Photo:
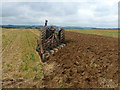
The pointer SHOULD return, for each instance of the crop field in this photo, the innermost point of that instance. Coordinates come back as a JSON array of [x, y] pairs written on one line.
[[103, 32], [89, 60]]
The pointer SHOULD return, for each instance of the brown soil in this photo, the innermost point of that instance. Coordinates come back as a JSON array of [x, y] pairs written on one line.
[[87, 61]]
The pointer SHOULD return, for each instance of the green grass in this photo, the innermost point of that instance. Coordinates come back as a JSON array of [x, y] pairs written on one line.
[[32, 57], [103, 32], [24, 67], [62, 85], [9, 65], [35, 68]]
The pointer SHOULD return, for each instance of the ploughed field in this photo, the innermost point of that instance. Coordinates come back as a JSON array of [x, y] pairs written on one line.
[[87, 61]]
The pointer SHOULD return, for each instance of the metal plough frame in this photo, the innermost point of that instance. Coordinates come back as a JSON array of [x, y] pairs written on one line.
[[45, 45]]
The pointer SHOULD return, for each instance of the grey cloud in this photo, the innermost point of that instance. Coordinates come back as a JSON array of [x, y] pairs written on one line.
[[55, 9], [10, 9], [60, 13]]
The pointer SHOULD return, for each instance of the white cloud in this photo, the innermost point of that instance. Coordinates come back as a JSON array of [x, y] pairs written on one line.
[[97, 13]]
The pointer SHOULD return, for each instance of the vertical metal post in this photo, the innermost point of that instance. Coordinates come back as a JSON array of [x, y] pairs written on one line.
[[46, 22]]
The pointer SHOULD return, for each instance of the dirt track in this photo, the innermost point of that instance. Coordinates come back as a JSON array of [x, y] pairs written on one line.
[[88, 61]]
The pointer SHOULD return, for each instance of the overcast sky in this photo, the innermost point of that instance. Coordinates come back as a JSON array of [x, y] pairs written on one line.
[[102, 13]]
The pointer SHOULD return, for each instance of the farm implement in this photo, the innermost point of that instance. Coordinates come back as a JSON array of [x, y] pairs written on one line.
[[51, 40]]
